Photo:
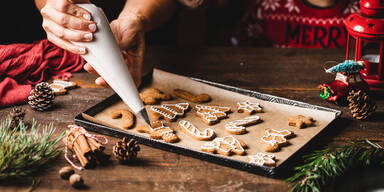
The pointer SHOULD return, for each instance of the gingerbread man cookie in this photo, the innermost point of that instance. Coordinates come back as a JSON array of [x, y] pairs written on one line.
[[211, 114], [127, 118], [225, 146], [274, 139], [238, 126], [152, 96], [159, 131], [300, 121], [169, 112], [202, 98], [60, 87], [249, 107], [188, 128], [262, 159]]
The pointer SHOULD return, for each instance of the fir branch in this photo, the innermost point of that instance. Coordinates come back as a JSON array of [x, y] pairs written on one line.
[[24, 153], [331, 162]]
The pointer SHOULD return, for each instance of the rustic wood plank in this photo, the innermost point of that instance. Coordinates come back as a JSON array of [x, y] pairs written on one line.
[[290, 73]]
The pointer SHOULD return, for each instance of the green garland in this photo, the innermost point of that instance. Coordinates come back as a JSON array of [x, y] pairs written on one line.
[[331, 162], [24, 153]]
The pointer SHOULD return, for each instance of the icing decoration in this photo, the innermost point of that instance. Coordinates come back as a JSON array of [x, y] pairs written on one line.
[[238, 126], [190, 129], [159, 131], [248, 107], [170, 111], [211, 113], [262, 159], [60, 87], [275, 138], [225, 146]]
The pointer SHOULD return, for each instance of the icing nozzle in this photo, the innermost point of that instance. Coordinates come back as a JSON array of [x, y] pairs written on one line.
[[142, 114]]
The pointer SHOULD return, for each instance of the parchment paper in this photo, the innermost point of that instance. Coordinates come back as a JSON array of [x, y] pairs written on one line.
[[275, 116]]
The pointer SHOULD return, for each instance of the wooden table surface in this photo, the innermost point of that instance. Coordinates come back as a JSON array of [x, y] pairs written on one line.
[[290, 73]]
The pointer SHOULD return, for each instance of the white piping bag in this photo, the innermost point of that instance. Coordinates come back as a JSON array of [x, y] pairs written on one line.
[[104, 55]]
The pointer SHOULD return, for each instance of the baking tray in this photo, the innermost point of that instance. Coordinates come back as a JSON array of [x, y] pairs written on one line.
[[86, 120]]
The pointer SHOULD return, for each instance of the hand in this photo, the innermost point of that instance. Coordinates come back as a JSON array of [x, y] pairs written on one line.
[[129, 34], [64, 21]]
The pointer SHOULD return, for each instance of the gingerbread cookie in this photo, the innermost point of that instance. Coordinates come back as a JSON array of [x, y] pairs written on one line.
[[159, 131], [275, 139], [225, 146], [238, 126], [249, 107], [60, 87], [300, 121], [202, 98], [211, 114], [169, 112], [262, 159], [188, 128], [152, 96], [127, 118]]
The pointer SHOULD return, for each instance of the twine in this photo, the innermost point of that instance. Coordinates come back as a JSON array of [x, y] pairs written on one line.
[[80, 131]]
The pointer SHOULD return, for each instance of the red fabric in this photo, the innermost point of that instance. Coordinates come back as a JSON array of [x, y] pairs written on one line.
[[294, 23], [24, 65]]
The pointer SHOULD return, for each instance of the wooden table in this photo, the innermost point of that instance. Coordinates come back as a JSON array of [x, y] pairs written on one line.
[[290, 73]]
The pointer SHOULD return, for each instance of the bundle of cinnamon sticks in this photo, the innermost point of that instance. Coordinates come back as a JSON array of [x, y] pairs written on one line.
[[88, 151]]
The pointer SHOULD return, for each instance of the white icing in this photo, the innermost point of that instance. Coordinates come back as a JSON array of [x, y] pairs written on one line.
[[248, 106], [275, 134], [216, 144], [261, 159], [206, 134], [168, 131], [168, 112], [239, 125], [211, 113]]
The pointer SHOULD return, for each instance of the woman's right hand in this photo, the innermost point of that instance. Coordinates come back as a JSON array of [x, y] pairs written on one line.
[[64, 22]]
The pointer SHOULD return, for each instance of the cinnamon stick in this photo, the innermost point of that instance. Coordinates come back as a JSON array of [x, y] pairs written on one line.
[[95, 146], [83, 144], [74, 148]]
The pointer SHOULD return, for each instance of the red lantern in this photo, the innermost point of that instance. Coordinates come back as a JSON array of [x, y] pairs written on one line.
[[365, 31]]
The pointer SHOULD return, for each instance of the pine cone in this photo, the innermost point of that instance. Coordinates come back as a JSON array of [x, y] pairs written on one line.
[[360, 104], [126, 150], [16, 115], [41, 97]]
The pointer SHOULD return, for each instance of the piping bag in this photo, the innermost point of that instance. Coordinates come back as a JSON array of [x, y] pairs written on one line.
[[105, 56]]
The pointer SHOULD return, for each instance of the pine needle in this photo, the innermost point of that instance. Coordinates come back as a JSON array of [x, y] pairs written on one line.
[[333, 161], [24, 153]]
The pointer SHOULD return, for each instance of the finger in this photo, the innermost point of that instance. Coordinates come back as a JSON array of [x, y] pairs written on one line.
[[67, 20], [66, 45], [101, 81], [67, 34], [90, 69]]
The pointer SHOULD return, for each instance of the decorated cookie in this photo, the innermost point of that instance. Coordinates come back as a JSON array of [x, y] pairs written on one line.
[[159, 131], [169, 112], [127, 118], [225, 146], [211, 114], [300, 121], [202, 98], [262, 159], [60, 87], [248, 107], [274, 139], [152, 96], [238, 126], [188, 128]]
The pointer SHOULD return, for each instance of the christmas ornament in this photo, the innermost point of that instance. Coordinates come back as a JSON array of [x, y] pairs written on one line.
[[347, 78], [126, 150], [366, 31], [360, 104], [41, 97], [16, 115]]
